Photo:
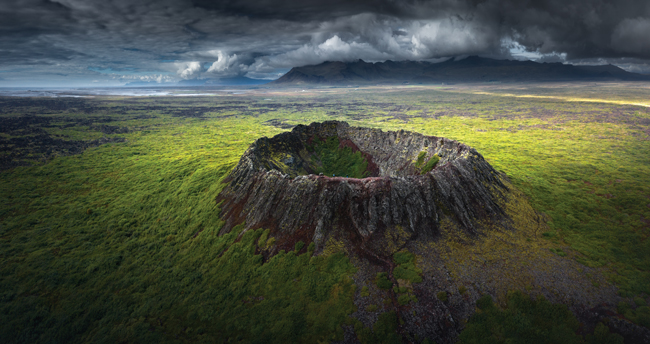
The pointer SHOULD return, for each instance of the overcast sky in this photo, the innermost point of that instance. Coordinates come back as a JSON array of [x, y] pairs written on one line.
[[113, 42]]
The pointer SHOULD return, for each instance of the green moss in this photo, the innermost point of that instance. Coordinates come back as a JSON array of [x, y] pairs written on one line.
[[261, 242], [639, 301], [623, 307], [331, 160], [383, 331], [404, 299], [602, 335], [485, 302], [523, 321], [406, 273], [299, 245], [558, 251], [640, 315], [399, 290], [406, 268], [403, 257], [382, 281], [365, 291], [462, 290], [548, 235], [526, 320], [442, 296], [420, 159], [430, 164]]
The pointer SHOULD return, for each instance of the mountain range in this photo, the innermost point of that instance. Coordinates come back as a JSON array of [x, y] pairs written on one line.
[[470, 69]]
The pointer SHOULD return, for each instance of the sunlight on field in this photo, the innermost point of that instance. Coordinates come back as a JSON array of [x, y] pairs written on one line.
[[569, 99]]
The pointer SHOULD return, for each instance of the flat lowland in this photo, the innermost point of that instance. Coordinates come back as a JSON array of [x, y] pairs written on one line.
[[109, 228]]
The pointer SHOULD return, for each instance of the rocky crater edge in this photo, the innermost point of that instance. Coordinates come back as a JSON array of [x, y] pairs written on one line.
[[272, 187]]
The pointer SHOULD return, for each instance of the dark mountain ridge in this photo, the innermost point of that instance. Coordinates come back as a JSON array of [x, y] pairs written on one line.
[[470, 69]]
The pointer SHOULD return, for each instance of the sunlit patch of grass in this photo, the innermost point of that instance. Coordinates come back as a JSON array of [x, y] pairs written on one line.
[[569, 99], [75, 133]]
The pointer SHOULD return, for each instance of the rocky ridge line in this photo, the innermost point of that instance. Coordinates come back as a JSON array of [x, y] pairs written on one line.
[[268, 188]]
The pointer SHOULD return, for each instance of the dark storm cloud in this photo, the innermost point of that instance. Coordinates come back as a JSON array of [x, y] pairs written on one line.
[[32, 17], [579, 28], [167, 39], [308, 10]]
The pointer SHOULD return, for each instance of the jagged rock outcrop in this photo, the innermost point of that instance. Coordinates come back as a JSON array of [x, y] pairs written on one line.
[[273, 187]]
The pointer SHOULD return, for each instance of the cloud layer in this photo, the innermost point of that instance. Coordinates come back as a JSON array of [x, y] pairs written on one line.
[[76, 41]]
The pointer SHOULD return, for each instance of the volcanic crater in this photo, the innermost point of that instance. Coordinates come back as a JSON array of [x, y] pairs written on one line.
[[330, 181]]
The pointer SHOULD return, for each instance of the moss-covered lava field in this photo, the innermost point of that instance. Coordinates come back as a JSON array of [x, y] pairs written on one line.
[[110, 229]]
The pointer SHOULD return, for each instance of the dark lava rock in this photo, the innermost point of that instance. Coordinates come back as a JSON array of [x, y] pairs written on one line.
[[273, 187]]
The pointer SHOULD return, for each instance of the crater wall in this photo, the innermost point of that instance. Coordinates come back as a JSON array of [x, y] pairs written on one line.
[[273, 186]]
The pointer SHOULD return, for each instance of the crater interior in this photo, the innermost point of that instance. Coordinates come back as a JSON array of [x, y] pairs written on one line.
[[337, 150]]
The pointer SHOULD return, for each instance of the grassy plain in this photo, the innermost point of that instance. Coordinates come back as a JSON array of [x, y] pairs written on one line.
[[119, 243]]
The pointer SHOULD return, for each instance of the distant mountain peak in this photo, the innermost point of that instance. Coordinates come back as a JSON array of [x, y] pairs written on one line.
[[470, 69]]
